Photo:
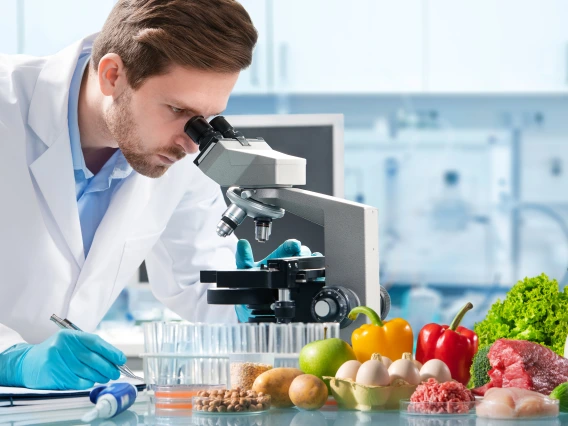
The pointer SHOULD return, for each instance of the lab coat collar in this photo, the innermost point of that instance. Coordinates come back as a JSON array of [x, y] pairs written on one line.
[[53, 169], [48, 105]]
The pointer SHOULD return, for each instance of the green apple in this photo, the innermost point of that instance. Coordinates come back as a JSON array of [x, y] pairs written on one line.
[[324, 357]]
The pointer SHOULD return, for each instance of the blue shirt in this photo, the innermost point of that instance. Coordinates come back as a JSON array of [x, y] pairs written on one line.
[[93, 191]]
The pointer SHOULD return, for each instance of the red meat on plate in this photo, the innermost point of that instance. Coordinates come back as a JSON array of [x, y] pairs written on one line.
[[524, 365]]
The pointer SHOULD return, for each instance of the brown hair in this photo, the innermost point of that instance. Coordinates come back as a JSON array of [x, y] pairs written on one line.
[[150, 35]]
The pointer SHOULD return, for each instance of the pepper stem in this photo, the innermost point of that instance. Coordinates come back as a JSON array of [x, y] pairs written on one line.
[[456, 322], [377, 357], [375, 319], [325, 333], [407, 355]]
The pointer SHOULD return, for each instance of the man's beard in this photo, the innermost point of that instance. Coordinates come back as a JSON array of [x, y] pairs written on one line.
[[121, 126]]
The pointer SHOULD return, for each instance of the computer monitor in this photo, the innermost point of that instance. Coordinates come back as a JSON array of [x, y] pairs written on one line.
[[319, 139]]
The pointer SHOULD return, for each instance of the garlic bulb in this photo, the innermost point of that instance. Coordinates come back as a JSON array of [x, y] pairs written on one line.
[[373, 373], [435, 369], [387, 361], [404, 369]]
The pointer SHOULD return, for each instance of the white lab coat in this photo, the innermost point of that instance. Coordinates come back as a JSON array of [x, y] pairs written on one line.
[[169, 221]]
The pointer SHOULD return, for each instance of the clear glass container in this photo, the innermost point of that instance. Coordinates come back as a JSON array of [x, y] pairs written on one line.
[[245, 368], [185, 369]]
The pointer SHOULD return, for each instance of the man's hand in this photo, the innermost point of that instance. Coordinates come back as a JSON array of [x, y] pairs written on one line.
[[67, 360], [290, 248], [245, 260]]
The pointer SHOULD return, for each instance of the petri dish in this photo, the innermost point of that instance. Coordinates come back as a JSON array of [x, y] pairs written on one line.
[[536, 408], [179, 397], [230, 406], [437, 408]]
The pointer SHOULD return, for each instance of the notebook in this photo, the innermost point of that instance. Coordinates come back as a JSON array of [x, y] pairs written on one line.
[[12, 397]]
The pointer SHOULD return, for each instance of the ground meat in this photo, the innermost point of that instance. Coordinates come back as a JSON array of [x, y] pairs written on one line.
[[438, 421], [432, 397]]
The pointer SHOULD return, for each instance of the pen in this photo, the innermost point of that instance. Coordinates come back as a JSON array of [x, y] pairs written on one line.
[[65, 323]]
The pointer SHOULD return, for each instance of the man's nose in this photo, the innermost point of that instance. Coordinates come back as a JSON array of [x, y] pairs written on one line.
[[187, 144]]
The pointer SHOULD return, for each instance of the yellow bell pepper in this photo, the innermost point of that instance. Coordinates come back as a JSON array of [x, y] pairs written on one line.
[[389, 338]]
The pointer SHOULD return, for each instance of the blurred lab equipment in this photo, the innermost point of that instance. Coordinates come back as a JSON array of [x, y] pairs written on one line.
[[110, 401], [540, 206], [451, 212], [429, 302], [441, 193], [262, 180]]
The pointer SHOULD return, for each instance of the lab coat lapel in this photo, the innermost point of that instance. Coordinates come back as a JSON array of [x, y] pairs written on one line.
[[53, 169], [53, 172]]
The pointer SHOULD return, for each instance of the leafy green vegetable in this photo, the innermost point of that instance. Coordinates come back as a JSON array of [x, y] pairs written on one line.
[[560, 393], [480, 367], [533, 310]]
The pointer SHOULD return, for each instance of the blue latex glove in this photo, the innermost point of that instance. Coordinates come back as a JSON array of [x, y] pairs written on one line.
[[67, 360], [245, 260], [289, 248]]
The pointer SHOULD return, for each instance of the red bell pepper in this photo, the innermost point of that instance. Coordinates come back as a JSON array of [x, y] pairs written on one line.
[[455, 345]]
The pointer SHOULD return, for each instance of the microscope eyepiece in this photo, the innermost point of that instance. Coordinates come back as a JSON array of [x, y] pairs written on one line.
[[220, 124], [200, 131]]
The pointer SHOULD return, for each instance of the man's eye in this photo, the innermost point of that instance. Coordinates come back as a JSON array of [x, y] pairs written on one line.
[[176, 110]]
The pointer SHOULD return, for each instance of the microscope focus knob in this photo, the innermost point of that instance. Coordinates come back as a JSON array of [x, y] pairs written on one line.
[[325, 308], [333, 304]]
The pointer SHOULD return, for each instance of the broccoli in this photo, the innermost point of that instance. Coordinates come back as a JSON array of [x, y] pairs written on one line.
[[480, 367]]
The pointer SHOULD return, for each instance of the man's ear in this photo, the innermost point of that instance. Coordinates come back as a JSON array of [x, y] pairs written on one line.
[[112, 75]]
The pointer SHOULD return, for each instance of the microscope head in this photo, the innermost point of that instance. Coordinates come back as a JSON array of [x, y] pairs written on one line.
[[230, 159]]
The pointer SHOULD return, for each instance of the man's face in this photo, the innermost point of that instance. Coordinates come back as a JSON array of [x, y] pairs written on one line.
[[148, 123]]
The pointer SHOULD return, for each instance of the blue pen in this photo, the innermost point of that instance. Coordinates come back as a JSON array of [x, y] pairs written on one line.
[[110, 400]]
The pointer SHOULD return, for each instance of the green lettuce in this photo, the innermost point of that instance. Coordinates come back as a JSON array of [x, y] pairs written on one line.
[[534, 309]]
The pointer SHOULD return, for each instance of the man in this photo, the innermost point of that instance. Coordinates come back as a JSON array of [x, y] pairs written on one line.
[[97, 175]]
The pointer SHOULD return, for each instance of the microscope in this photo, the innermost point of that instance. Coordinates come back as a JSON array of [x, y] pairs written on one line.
[[298, 289]]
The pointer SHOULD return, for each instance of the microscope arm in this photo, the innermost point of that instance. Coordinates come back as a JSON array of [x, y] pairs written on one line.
[[351, 240]]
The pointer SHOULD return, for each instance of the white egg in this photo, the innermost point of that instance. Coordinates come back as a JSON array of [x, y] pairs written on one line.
[[348, 370], [373, 373], [435, 369]]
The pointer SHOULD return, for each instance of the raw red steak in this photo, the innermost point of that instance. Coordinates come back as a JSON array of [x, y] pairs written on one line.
[[524, 365]]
